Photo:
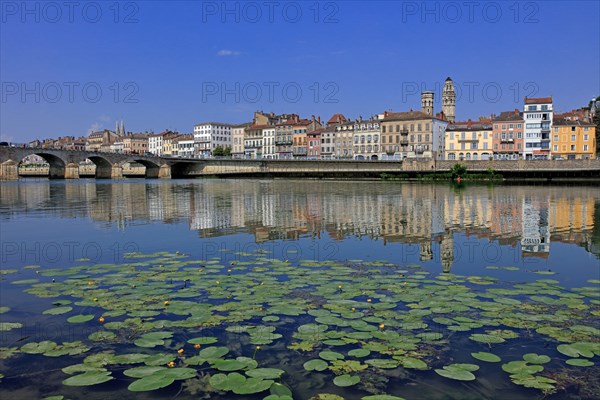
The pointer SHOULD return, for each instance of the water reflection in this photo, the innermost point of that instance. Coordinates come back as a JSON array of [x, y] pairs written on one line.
[[531, 218]]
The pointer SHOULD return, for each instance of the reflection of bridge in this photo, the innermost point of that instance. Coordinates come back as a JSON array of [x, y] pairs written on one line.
[[65, 164]]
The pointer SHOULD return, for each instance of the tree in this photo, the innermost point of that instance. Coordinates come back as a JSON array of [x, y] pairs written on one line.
[[227, 152], [218, 151], [458, 171]]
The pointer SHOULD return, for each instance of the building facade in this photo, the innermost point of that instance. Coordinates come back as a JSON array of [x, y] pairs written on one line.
[[366, 137], [209, 135], [183, 146], [253, 141], [537, 115], [508, 135], [237, 139], [268, 142], [469, 141], [412, 134], [573, 140], [135, 143]]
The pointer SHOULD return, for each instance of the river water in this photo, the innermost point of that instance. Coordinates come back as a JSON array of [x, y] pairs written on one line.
[[388, 288]]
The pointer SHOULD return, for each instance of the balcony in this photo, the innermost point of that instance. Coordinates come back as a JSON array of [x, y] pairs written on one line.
[[284, 142], [404, 142], [507, 140], [253, 146], [404, 132], [468, 140]]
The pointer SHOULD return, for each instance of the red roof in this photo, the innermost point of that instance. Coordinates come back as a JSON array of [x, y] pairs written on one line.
[[538, 100], [336, 118]]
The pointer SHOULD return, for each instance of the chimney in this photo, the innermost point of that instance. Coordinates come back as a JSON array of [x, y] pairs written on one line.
[[319, 119], [469, 124]]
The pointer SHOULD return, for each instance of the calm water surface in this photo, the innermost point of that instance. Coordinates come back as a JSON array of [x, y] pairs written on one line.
[[358, 237]]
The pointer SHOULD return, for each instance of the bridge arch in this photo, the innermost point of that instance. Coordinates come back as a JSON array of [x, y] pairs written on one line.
[[152, 168], [103, 167], [57, 165]]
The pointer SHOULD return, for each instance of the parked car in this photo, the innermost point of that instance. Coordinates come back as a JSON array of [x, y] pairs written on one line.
[[5, 144]]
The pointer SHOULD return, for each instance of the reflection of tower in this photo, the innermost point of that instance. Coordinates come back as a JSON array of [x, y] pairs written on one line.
[[449, 100], [447, 252], [426, 252], [427, 103]]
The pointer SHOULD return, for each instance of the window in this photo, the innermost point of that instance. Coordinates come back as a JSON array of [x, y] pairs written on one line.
[[572, 138], [555, 148], [585, 147], [419, 127], [586, 137], [420, 138], [495, 146], [474, 135], [427, 126], [531, 108], [463, 135], [451, 146], [451, 135], [519, 135], [544, 108], [412, 127], [556, 129], [572, 147], [485, 145], [556, 138], [485, 135], [397, 128]]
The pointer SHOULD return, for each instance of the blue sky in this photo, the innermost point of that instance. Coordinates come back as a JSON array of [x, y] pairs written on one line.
[[161, 66]]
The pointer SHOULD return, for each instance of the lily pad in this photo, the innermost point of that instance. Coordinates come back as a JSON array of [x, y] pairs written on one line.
[[346, 380], [81, 318], [315, 365], [487, 357], [88, 378], [533, 358], [579, 362]]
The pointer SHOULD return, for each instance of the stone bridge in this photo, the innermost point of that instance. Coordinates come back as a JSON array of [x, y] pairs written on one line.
[[65, 164]]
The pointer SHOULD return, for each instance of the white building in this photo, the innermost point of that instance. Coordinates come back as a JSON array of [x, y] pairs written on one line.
[[209, 135], [183, 146], [366, 139], [155, 142], [268, 135], [537, 116], [116, 147]]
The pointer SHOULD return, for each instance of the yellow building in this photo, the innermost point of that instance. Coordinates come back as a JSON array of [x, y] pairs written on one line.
[[573, 140], [469, 141]]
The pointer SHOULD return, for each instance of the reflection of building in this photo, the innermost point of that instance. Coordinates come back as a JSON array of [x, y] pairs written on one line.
[[536, 230], [419, 214], [447, 252]]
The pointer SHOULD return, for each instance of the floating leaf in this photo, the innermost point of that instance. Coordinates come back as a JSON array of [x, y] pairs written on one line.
[[81, 318], [533, 358], [88, 378], [487, 357], [346, 380], [331, 355], [521, 367], [265, 373], [58, 310], [579, 362], [315, 365]]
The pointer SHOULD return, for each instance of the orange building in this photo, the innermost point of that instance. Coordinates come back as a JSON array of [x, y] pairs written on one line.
[[573, 140]]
